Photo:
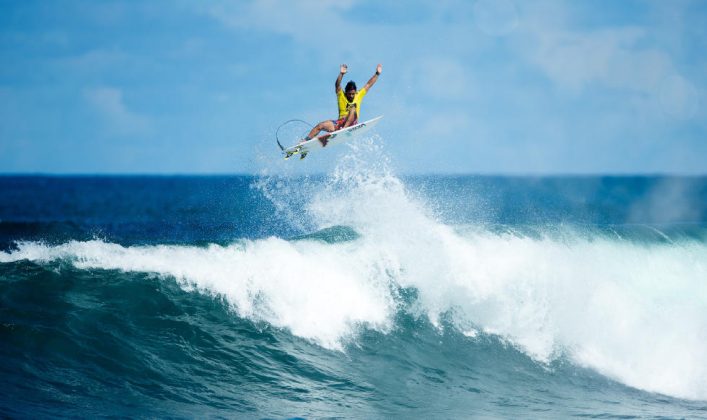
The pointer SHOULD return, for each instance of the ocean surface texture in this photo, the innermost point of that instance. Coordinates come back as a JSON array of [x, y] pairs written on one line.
[[358, 293]]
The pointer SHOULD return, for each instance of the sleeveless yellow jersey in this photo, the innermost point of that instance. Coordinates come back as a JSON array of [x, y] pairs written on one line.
[[345, 105]]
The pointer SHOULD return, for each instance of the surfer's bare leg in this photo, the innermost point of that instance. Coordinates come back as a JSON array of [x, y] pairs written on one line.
[[351, 118], [327, 126]]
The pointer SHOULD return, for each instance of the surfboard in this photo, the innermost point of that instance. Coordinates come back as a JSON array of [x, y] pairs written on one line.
[[329, 139]]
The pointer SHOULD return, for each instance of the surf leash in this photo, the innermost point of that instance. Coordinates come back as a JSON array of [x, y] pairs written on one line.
[[277, 138]]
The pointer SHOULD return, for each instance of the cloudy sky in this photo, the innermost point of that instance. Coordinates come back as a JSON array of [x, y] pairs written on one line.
[[468, 86]]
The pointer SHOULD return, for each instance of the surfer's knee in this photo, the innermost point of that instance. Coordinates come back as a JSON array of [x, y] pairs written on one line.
[[327, 126]]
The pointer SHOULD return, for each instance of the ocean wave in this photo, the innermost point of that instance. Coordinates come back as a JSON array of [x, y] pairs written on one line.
[[635, 313], [632, 309]]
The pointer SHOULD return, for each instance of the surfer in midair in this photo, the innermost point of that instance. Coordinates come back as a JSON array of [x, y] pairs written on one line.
[[349, 100]]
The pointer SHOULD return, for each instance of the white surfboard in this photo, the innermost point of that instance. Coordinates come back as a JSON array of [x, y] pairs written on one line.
[[329, 139]]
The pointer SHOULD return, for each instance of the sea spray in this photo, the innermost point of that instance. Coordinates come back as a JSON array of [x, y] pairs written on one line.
[[592, 299]]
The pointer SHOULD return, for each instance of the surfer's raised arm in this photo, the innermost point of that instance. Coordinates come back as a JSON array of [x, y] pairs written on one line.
[[373, 79], [342, 71]]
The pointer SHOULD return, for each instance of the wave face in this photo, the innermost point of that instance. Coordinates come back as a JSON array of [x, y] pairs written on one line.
[[359, 293]]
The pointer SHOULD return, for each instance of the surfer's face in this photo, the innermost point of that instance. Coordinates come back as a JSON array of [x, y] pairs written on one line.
[[350, 94]]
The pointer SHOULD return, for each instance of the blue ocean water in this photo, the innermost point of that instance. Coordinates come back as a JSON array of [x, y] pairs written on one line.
[[357, 293]]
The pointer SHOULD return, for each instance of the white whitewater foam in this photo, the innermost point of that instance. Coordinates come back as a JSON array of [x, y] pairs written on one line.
[[317, 291], [637, 313], [634, 312]]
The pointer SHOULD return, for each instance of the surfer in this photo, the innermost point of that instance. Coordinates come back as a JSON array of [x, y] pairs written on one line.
[[349, 100]]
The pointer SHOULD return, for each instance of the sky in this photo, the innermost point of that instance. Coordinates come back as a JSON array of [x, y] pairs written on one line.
[[468, 86]]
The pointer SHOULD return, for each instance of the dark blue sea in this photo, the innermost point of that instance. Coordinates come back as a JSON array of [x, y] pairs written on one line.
[[358, 293]]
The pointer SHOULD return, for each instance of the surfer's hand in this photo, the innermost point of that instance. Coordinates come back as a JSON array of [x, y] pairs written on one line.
[[379, 69], [344, 68]]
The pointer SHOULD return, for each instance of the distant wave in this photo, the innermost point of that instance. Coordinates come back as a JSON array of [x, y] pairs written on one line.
[[332, 235]]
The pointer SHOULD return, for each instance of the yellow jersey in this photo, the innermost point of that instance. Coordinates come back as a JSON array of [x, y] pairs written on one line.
[[345, 105]]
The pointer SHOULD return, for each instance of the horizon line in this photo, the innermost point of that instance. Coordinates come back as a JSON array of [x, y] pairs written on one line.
[[414, 174]]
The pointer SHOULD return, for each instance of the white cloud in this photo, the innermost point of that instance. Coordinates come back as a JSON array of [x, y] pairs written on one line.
[[496, 17], [678, 97], [327, 28], [108, 102], [303, 20], [609, 57], [627, 59], [94, 61]]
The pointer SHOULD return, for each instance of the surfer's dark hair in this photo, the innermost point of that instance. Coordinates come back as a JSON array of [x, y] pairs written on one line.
[[350, 86]]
